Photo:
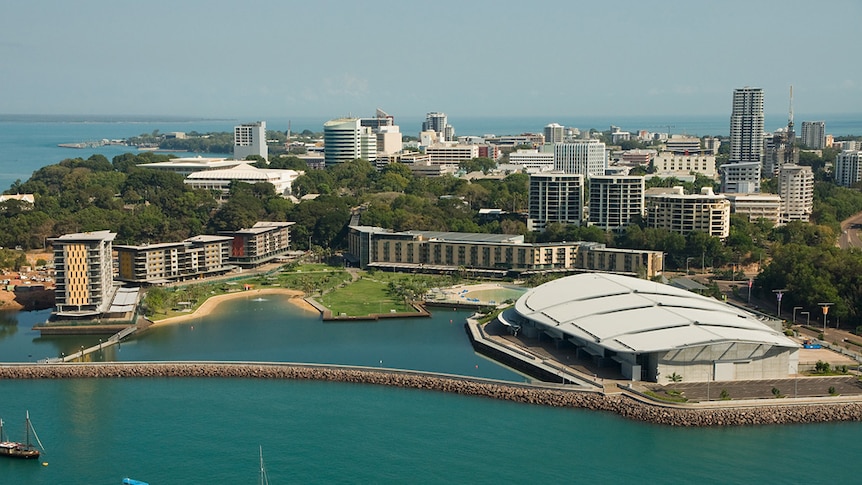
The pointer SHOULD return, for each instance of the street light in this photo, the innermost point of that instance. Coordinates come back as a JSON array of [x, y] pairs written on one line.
[[794, 313], [778, 295], [686, 264], [808, 315], [825, 307]]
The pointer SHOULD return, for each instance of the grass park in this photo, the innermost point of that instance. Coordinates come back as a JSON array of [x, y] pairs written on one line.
[[353, 293]]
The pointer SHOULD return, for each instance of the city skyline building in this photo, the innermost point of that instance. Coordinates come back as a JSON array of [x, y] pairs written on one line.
[[249, 139], [588, 158], [345, 139], [439, 123], [814, 134], [848, 168], [555, 197], [740, 178], [796, 189], [554, 133], [674, 210], [615, 201], [746, 126]]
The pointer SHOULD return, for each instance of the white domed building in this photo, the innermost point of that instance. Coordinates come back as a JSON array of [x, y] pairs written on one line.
[[651, 330]]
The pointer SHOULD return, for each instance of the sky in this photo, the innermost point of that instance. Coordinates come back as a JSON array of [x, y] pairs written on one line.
[[325, 58]]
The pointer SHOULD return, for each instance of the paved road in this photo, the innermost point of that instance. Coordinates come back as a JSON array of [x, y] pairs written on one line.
[[850, 229], [802, 387]]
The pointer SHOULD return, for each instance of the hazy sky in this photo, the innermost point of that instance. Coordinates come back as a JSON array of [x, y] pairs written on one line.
[[259, 59]]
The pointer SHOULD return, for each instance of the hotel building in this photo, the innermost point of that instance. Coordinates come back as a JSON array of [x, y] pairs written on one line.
[[83, 268], [490, 254], [675, 211], [157, 264]]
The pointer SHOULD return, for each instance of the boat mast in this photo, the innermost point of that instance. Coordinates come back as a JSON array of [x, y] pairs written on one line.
[[27, 428]]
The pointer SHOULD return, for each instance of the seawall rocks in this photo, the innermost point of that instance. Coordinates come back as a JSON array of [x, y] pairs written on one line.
[[620, 404]]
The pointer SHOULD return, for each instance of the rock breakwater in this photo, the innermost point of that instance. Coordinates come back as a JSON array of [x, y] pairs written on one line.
[[621, 404]]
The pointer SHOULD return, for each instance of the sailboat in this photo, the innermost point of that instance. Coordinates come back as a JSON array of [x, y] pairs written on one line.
[[14, 449], [263, 480]]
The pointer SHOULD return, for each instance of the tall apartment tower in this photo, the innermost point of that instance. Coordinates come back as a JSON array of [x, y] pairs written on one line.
[[555, 197], [746, 126], [84, 269], [250, 139], [345, 139], [814, 134], [554, 133], [588, 158], [437, 122], [848, 168], [615, 201], [796, 189]]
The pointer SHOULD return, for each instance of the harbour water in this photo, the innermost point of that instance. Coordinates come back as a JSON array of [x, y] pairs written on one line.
[[208, 430]]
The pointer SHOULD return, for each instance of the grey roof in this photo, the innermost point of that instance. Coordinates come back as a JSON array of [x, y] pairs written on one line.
[[125, 300], [626, 314]]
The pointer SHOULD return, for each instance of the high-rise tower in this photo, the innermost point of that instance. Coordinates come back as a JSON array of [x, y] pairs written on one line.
[[746, 126]]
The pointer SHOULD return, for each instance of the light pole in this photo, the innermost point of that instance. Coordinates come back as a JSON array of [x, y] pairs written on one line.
[[778, 295], [794, 313], [825, 307], [686, 264], [808, 316]]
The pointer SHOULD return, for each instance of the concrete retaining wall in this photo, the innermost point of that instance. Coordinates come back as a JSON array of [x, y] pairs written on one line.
[[616, 403]]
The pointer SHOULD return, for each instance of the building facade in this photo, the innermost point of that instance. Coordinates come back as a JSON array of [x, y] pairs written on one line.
[[221, 180], [814, 134], [796, 188], [555, 197], [848, 168], [439, 123], [615, 201], [83, 265], [587, 158], [156, 264], [259, 244], [345, 139], [532, 159], [451, 153], [673, 163], [746, 126], [250, 139], [554, 133], [490, 254], [740, 178], [756, 206], [675, 211]]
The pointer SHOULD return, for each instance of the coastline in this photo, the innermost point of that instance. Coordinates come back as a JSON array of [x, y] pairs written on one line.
[[295, 297]]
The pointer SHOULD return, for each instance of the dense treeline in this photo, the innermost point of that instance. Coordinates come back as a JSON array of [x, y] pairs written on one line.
[[143, 205]]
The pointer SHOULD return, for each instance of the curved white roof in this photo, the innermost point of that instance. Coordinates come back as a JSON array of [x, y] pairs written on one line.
[[627, 314]]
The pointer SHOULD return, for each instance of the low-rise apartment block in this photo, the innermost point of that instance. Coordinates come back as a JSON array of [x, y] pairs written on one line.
[[157, 264], [259, 244], [489, 254], [672, 209]]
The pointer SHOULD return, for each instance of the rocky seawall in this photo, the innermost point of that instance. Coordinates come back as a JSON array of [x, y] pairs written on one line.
[[621, 404]]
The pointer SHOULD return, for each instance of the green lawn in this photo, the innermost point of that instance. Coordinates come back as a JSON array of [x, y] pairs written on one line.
[[363, 297]]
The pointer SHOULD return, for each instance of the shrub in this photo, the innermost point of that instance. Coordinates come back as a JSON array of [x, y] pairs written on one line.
[[725, 396], [831, 390]]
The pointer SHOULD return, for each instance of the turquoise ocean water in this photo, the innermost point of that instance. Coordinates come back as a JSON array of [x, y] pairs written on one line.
[[208, 430]]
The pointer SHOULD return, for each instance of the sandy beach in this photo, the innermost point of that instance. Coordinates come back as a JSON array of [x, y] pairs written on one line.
[[212, 303], [484, 293]]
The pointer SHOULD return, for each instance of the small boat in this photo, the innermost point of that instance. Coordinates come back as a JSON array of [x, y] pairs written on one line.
[[132, 481], [13, 449], [263, 480]]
